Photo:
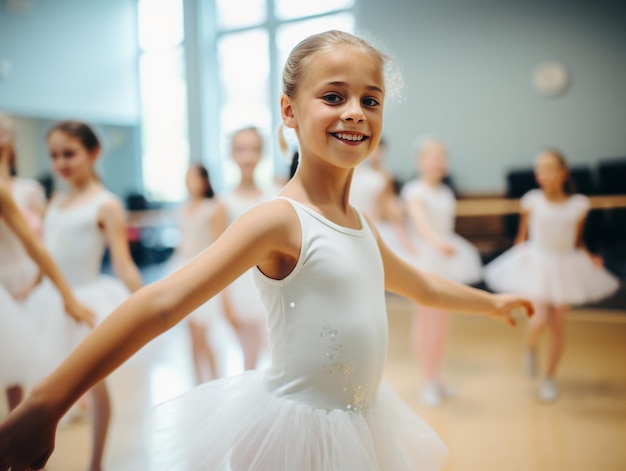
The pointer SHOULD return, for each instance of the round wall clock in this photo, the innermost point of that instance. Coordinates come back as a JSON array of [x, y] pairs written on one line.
[[551, 79]]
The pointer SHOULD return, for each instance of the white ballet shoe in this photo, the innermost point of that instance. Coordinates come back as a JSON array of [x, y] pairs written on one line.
[[548, 391], [430, 395], [446, 391]]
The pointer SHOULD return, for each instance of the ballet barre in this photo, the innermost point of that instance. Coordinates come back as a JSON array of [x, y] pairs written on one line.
[[465, 207], [504, 206]]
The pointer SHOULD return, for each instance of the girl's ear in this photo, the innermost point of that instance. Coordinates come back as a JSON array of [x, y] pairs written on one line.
[[94, 154], [287, 112]]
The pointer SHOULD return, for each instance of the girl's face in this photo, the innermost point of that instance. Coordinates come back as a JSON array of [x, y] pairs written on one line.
[[71, 161], [433, 162], [195, 183], [338, 110], [550, 173], [247, 151]]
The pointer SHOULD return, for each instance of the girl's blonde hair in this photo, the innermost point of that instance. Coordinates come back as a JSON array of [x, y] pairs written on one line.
[[301, 55]]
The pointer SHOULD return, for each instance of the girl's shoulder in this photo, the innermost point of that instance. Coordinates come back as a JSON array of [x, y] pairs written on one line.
[[580, 202], [531, 198]]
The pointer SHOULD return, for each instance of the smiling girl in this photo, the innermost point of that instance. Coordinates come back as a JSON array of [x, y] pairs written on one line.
[[550, 263], [322, 271], [79, 225]]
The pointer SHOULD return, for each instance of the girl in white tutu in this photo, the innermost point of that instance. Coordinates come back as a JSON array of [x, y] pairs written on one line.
[[322, 271], [372, 192], [550, 263], [20, 353], [79, 225], [243, 304], [431, 207], [200, 223]]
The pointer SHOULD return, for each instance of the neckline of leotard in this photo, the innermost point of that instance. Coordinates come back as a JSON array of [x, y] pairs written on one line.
[[328, 222], [94, 199]]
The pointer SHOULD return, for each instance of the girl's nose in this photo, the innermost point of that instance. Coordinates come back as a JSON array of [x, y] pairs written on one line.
[[353, 111]]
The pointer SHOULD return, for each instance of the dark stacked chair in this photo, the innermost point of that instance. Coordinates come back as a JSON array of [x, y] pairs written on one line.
[[612, 181]]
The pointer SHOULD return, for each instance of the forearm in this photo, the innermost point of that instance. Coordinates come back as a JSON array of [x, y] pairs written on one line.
[[434, 291], [446, 295], [129, 274], [137, 321]]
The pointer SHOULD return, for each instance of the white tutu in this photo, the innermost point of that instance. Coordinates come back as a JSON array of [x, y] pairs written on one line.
[[60, 333], [464, 266], [236, 424], [559, 278], [20, 353]]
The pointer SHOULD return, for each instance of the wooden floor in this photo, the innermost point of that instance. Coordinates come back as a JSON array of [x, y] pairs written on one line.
[[494, 424]]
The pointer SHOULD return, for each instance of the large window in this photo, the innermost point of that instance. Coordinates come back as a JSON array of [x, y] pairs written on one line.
[[163, 96], [254, 38], [245, 44]]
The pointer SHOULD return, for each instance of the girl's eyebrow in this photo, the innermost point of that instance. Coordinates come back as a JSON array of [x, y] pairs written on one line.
[[343, 84]]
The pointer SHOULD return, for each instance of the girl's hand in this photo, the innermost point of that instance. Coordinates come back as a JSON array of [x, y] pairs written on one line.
[[505, 304], [80, 313], [22, 294], [597, 260], [27, 438], [445, 248]]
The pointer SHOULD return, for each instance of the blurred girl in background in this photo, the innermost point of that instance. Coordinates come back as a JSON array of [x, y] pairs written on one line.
[[431, 206], [550, 263]]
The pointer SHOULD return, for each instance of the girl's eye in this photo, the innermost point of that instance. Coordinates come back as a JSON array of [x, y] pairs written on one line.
[[68, 154], [371, 101], [332, 98]]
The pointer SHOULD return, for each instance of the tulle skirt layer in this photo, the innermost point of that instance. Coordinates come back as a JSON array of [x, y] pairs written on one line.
[[59, 332], [463, 266], [237, 424], [20, 352], [568, 278]]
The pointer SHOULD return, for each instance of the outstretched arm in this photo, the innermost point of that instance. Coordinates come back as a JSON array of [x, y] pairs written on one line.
[[35, 249], [111, 217], [260, 237], [437, 292]]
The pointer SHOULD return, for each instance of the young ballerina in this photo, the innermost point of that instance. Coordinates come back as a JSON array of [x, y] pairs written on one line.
[[322, 272], [550, 263], [242, 296], [431, 208], [372, 192], [20, 353], [79, 225], [199, 225]]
